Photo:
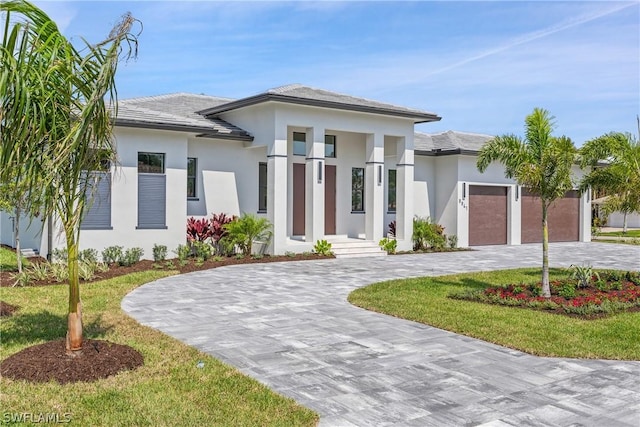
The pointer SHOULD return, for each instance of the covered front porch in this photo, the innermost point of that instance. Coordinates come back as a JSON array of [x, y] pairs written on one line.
[[342, 185]]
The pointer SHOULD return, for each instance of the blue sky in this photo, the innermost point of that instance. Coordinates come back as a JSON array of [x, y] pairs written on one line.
[[482, 66]]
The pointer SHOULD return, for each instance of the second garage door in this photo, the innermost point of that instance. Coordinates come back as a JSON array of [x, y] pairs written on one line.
[[487, 215], [563, 218]]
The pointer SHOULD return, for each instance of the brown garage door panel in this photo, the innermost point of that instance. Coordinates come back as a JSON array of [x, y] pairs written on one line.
[[531, 222], [487, 215], [563, 218]]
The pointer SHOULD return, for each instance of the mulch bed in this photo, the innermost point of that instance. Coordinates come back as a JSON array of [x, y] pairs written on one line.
[[144, 265], [50, 361], [7, 309], [98, 359]]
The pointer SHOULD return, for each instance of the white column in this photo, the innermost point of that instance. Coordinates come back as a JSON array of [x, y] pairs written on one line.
[[374, 187], [404, 192], [277, 190], [314, 185]]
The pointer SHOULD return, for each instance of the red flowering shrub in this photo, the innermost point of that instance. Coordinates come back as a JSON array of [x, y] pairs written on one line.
[[198, 230], [608, 292]]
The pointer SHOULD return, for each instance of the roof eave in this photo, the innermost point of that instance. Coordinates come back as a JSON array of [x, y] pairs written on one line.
[[417, 116], [440, 152], [181, 128]]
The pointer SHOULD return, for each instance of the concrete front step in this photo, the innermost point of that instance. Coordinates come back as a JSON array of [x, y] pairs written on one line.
[[356, 248], [29, 253]]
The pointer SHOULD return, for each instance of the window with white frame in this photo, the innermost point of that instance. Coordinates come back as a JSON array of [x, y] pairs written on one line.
[[330, 146], [299, 144]]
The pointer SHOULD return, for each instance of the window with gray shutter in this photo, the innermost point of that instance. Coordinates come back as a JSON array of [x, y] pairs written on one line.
[[152, 191], [98, 213], [152, 201]]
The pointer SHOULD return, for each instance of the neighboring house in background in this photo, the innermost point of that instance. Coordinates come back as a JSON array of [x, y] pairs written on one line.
[[317, 164], [616, 219]]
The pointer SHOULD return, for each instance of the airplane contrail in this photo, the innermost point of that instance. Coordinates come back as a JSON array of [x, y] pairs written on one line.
[[534, 36]]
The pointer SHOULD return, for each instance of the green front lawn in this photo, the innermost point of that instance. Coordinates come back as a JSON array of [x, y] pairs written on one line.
[[426, 300], [168, 390], [8, 261], [629, 233], [633, 242]]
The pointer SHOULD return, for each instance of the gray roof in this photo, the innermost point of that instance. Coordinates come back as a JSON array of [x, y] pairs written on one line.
[[177, 111], [304, 95], [449, 142]]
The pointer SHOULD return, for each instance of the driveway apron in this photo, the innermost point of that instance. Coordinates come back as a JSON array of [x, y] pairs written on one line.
[[289, 325]]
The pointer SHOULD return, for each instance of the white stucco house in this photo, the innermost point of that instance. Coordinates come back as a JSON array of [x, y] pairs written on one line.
[[317, 164]]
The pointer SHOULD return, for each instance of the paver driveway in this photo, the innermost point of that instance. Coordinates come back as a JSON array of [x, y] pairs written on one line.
[[290, 326]]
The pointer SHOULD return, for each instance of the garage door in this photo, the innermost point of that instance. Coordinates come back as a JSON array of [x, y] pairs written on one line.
[[563, 218], [487, 215]]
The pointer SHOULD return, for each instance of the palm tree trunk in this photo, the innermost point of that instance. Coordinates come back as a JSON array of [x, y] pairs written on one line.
[[546, 290], [16, 232], [74, 321]]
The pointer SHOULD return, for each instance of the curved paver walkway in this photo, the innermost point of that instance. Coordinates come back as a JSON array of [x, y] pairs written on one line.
[[290, 326]]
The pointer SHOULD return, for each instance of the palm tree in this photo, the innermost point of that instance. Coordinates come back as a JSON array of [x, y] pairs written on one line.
[[540, 162], [56, 123], [620, 178]]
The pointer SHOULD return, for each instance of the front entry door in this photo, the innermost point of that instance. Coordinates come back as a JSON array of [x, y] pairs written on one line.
[[299, 199]]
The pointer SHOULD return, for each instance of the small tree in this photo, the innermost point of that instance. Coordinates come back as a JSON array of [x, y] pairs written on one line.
[[14, 199], [56, 123], [620, 175], [245, 230], [539, 161]]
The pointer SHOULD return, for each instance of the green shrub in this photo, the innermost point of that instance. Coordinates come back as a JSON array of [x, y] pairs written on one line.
[[323, 248], [183, 252], [583, 274], [290, 254], [159, 253], [201, 250], [388, 245], [88, 255], [59, 255], [101, 267], [59, 272], [453, 241], [112, 254], [567, 290], [22, 279], [245, 230], [613, 275], [87, 270], [427, 234], [634, 277], [39, 270], [131, 256]]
